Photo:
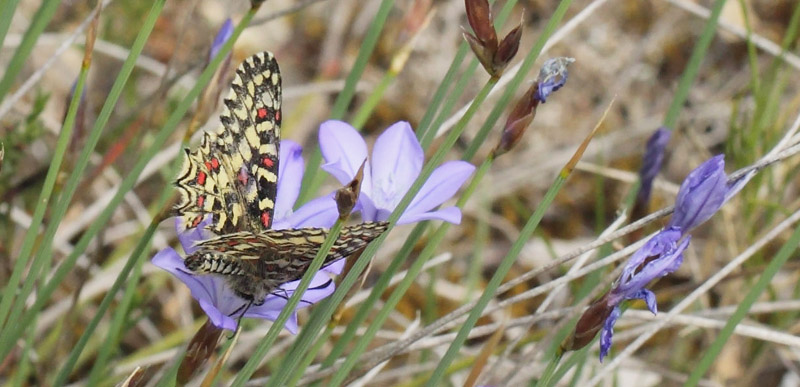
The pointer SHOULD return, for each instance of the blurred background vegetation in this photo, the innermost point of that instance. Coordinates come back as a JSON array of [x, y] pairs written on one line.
[[743, 100]]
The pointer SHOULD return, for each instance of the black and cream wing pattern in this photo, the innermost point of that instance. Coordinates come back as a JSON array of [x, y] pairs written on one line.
[[231, 179]]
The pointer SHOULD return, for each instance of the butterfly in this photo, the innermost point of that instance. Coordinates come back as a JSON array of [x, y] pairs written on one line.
[[232, 178]]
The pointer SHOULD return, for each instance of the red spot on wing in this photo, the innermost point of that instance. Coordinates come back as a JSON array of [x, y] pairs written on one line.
[[201, 200], [267, 162], [242, 176], [196, 221], [262, 113], [277, 116], [208, 165], [215, 163], [201, 178], [265, 220]]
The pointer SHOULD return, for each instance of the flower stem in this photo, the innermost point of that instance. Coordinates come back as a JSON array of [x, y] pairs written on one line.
[[261, 350]]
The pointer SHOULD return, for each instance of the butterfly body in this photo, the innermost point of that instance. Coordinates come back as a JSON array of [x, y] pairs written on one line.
[[232, 178]]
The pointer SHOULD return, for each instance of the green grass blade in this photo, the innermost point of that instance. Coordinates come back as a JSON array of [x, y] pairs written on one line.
[[312, 178], [324, 311], [40, 20], [427, 138], [44, 256], [261, 350], [29, 240], [125, 186], [405, 283], [346, 338], [786, 252], [6, 13], [693, 66], [441, 91], [449, 104], [372, 101], [494, 282], [100, 369], [77, 349]]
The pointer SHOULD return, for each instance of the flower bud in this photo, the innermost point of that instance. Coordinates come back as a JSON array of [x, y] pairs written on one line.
[[200, 349], [223, 35], [553, 76], [651, 165], [518, 120], [701, 195], [507, 50], [479, 16], [347, 196], [589, 324]]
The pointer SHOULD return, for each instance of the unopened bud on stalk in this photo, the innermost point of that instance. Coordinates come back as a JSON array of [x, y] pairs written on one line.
[[203, 344], [552, 77], [590, 323], [493, 56], [347, 196]]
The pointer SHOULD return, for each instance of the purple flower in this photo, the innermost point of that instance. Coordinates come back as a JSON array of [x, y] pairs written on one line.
[[651, 162], [396, 162], [222, 306], [552, 76], [660, 256], [701, 195], [223, 35]]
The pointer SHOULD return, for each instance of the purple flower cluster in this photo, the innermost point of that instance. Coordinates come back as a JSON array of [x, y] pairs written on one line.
[[396, 162], [701, 195]]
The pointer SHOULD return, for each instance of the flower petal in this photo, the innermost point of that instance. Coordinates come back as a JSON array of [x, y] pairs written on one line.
[[214, 296], [443, 183], [343, 150], [219, 319], [651, 162], [701, 194], [448, 214], [319, 212], [666, 263], [396, 162], [290, 176], [190, 237], [608, 332], [336, 267], [654, 247], [321, 287], [649, 299]]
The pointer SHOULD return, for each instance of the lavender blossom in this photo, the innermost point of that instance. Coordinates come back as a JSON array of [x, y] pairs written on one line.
[[552, 76], [396, 162], [651, 162], [701, 195], [660, 256], [220, 303], [225, 32]]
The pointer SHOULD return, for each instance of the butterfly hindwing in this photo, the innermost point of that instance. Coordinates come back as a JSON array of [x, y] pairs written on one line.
[[251, 119], [233, 174], [279, 255]]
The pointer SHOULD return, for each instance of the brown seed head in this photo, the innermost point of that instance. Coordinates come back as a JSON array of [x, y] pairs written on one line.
[[479, 16], [589, 324]]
